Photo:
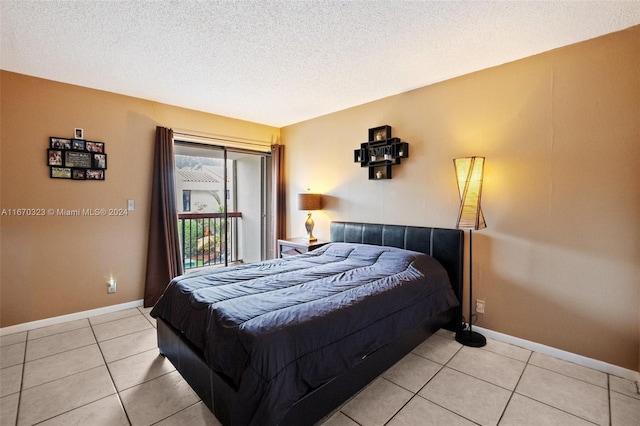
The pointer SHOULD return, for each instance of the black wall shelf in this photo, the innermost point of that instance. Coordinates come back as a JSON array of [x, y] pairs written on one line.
[[381, 152]]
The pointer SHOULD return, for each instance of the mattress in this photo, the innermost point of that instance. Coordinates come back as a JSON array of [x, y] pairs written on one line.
[[280, 328]]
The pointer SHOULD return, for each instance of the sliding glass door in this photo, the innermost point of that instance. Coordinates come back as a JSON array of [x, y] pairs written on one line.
[[222, 198]]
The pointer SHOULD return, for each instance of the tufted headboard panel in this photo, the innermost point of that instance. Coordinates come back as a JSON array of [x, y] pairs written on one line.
[[445, 245]]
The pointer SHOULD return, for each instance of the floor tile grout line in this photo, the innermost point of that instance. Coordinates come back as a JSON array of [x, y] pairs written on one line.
[[179, 411], [59, 353], [513, 392], [149, 380], [113, 383], [24, 362], [476, 378], [507, 356], [35, 339], [130, 356], [417, 394], [609, 399], [572, 377], [127, 334], [401, 408], [70, 410], [14, 343], [22, 388], [574, 364], [555, 408], [117, 319], [350, 418], [115, 314], [56, 333], [13, 365], [444, 408], [146, 316], [623, 394], [479, 378]]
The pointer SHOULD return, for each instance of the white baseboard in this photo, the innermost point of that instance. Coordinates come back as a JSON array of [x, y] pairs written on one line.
[[560, 354], [70, 317]]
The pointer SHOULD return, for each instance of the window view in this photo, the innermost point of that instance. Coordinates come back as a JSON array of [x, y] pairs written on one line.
[[220, 201]]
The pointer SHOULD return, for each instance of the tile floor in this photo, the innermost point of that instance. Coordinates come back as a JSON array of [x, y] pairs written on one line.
[[106, 370]]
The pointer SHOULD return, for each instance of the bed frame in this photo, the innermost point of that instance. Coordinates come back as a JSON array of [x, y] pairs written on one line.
[[218, 392]]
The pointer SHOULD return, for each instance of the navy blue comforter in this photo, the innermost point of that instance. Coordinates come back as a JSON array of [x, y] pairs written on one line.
[[282, 327]]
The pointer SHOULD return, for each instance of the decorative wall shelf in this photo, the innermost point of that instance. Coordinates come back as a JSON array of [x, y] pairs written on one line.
[[381, 152]]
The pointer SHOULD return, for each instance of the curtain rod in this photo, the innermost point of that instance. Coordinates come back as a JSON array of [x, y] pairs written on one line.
[[223, 138]]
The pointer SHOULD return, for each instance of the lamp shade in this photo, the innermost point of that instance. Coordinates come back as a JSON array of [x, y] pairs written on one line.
[[309, 202], [469, 173]]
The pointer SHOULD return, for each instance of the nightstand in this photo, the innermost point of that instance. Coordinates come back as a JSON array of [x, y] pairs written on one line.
[[293, 246]]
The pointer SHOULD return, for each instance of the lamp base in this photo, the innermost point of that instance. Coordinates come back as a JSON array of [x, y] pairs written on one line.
[[308, 224], [471, 338]]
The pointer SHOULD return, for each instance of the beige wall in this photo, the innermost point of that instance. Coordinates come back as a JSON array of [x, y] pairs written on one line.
[[559, 263], [57, 265]]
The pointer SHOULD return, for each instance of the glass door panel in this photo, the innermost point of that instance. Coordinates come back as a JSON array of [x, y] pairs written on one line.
[[221, 198]]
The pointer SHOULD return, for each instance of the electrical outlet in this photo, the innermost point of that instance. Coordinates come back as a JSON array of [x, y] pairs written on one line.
[[111, 286], [131, 204], [479, 306]]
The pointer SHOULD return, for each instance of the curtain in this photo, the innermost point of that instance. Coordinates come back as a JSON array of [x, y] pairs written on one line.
[[279, 194], [164, 261]]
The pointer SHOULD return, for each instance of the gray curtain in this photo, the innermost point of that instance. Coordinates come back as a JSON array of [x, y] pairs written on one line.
[[164, 261]]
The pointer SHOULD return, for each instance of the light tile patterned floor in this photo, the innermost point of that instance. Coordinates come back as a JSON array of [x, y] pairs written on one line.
[[106, 371]]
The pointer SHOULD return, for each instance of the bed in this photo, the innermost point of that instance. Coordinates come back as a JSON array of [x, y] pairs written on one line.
[[287, 341]]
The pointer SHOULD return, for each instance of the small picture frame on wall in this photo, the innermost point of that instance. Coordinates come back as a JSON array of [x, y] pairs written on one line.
[[61, 172], [78, 174], [93, 174], [78, 133], [94, 146], [77, 159], [77, 145], [59, 143], [379, 133], [99, 161], [54, 157]]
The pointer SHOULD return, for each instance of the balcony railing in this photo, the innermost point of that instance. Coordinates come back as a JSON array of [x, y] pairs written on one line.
[[208, 239]]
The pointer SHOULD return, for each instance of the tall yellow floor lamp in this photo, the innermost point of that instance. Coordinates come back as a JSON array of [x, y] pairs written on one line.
[[469, 174]]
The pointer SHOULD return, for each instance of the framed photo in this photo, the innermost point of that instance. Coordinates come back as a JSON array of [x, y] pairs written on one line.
[[77, 145], [79, 174], [77, 159], [61, 172], [93, 174], [54, 157], [59, 143], [94, 146], [379, 133], [99, 161]]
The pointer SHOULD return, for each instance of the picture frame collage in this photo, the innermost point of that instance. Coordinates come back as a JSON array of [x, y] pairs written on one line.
[[76, 158]]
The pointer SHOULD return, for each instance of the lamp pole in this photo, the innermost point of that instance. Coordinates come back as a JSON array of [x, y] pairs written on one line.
[[469, 337]]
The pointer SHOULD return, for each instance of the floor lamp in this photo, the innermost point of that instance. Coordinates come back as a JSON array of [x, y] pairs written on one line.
[[469, 171]]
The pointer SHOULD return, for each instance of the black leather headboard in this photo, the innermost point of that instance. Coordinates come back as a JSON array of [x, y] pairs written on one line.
[[445, 245]]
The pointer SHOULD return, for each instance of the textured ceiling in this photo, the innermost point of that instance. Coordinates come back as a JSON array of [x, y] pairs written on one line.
[[281, 62]]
